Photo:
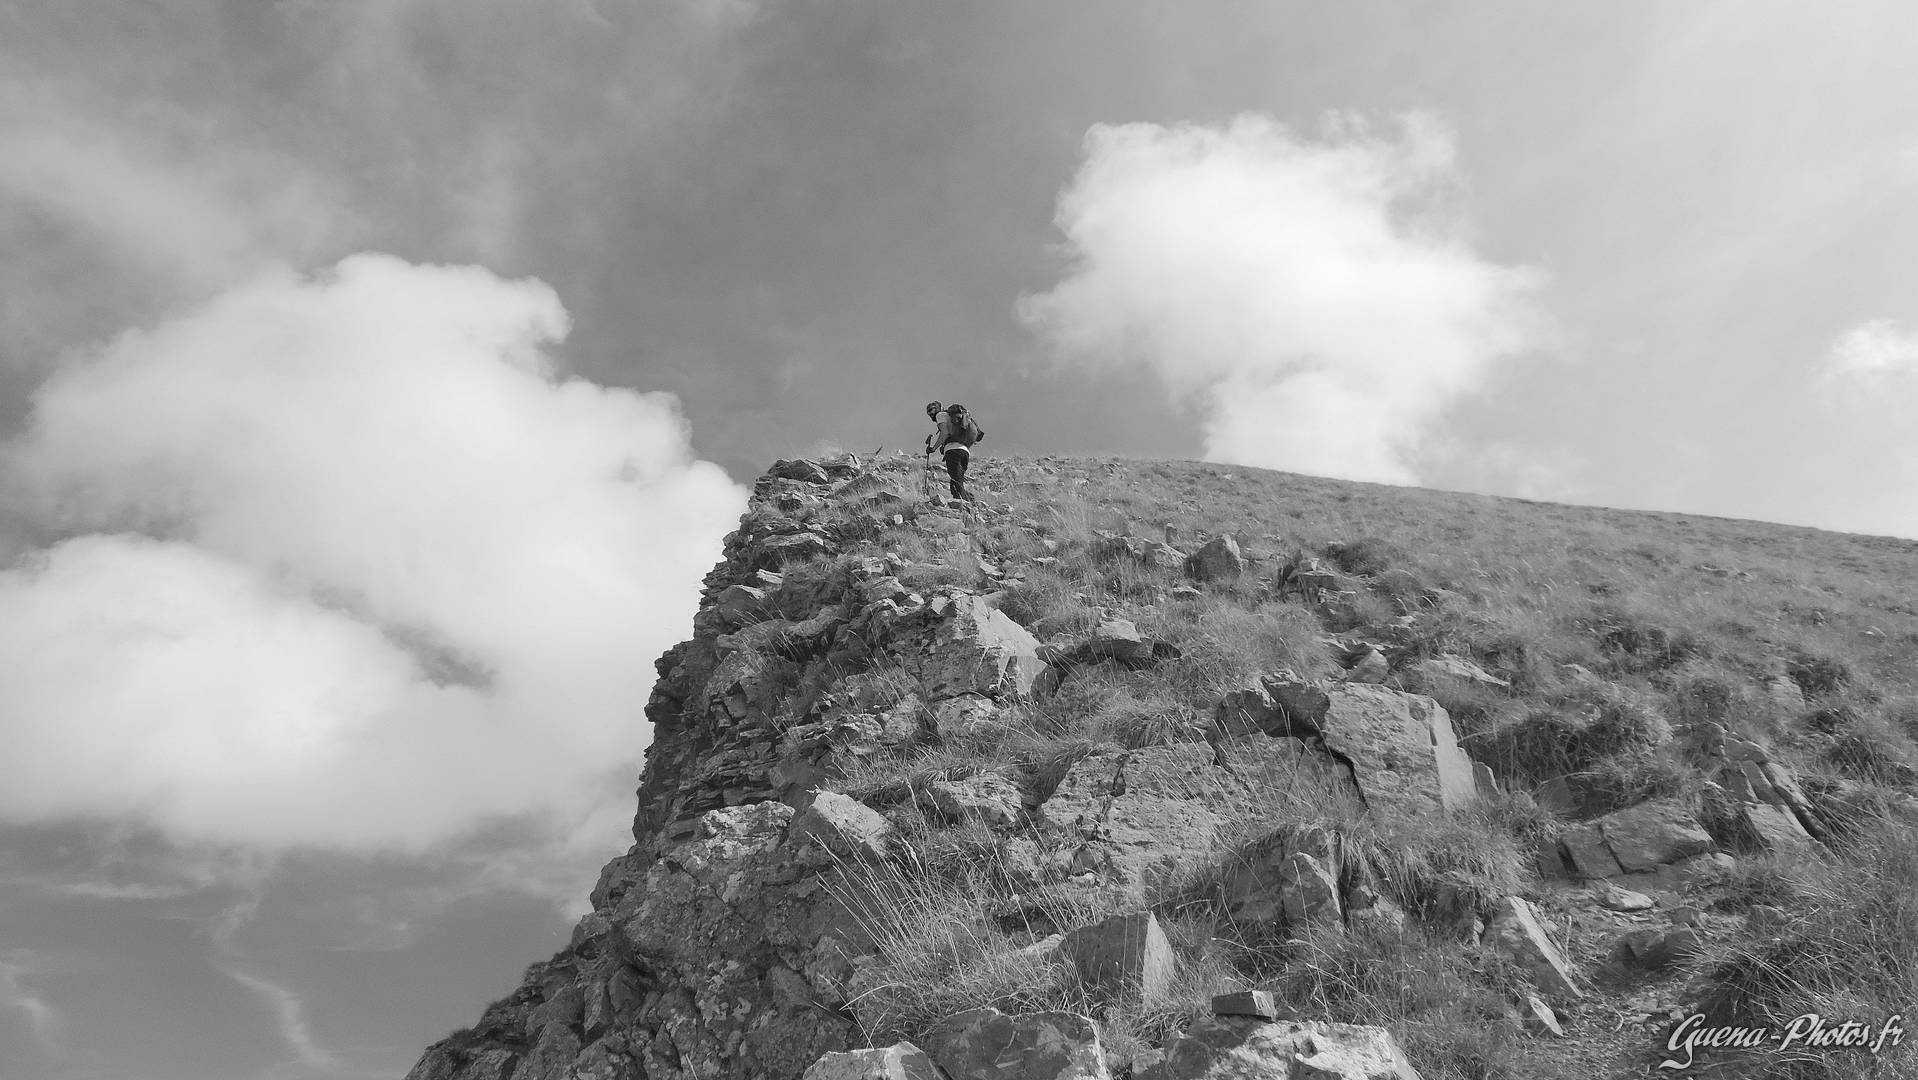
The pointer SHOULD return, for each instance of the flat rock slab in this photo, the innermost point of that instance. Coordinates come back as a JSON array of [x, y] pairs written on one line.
[[986, 1044], [1258, 1004], [900, 1061], [1235, 1048], [1646, 836]]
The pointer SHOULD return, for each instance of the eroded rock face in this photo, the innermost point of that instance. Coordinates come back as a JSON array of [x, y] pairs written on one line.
[[716, 946], [1399, 748]]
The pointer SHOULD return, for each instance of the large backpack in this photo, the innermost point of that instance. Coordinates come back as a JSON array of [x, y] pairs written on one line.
[[963, 430]]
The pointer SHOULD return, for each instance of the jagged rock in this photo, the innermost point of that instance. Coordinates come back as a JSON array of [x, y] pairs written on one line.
[[980, 650], [1234, 1048], [737, 605], [1540, 1017], [800, 469], [844, 826], [1310, 892], [1254, 1003], [1516, 933], [900, 1061], [1125, 956], [1284, 875], [987, 797], [1453, 667], [1616, 898], [986, 1044], [1218, 560], [1185, 592]]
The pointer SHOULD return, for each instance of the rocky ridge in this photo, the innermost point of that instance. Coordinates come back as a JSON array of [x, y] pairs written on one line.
[[726, 941]]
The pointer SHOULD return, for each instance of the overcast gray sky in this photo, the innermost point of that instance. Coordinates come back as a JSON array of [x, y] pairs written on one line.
[[377, 380]]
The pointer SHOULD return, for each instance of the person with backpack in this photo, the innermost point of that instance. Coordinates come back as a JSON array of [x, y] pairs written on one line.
[[956, 435]]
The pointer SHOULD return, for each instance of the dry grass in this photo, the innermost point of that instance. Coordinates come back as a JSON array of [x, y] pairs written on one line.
[[1614, 629]]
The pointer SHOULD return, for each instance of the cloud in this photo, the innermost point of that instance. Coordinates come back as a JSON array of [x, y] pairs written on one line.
[[289, 1016], [41, 1019], [1876, 348], [202, 218], [1319, 300], [347, 562]]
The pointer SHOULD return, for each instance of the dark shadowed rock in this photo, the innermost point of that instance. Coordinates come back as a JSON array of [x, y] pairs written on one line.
[[1126, 957], [1257, 1004], [986, 1044], [1218, 560]]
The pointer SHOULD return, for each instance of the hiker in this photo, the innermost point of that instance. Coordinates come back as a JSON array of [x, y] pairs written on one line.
[[954, 441]]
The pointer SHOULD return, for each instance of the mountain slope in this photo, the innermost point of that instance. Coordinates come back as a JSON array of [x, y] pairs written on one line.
[[1435, 762]]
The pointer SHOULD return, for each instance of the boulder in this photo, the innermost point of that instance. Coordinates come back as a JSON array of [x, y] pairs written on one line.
[[1254, 1003], [1517, 934], [978, 649], [987, 797], [844, 826], [900, 1061], [1453, 667], [1400, 747], [1125, 956], [1310, 892], [1615, 898], [1236, 1048], [1648, 835], [810, 472], [1218, 560], [986, 1044]]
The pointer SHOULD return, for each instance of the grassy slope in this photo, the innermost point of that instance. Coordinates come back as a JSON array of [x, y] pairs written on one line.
[[1679, 618]]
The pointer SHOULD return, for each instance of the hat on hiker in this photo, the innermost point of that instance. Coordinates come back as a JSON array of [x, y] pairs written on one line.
[[932, 408]]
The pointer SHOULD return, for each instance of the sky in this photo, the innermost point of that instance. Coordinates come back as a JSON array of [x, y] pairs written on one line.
[[378, 379]]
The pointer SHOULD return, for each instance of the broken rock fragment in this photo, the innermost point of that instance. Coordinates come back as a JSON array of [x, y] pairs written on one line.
[[1516, 932]]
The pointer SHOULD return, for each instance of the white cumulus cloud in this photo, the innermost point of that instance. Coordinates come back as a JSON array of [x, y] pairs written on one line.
[[344, 561], [1318, 298], [1878, 347]]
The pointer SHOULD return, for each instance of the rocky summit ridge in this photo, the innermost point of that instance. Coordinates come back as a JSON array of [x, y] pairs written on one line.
[[1006, 790]]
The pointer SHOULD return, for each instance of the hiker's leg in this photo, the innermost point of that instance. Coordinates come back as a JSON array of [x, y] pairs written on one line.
[[956, 469]]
